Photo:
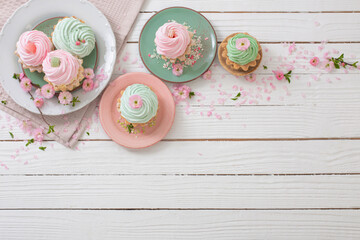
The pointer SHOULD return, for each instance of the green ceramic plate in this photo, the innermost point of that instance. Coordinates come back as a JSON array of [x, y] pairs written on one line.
[[197, 22], [47, 27]]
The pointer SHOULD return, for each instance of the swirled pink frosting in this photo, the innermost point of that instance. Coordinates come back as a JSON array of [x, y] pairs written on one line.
[[65, 72], [172, 40], [33, 46]]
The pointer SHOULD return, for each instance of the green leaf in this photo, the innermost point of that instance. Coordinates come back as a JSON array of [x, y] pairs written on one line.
[[4, 102], [337, 66], [11, 134], [341, 57], [130, 127], [42, 148], [74, 101], [88, 133], [29, 142], [191, 94], [51, 129], [265, 67], [354, 64], [16, 76], [236, 97], [287, 78]]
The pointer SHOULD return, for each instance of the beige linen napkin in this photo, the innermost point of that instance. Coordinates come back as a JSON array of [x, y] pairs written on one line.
[[121, 14]]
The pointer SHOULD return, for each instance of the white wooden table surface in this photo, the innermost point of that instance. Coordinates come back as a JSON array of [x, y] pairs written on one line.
[[288, 168]]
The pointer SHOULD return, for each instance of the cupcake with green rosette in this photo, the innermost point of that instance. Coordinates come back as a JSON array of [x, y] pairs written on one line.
[[240, 54], [74, 36], [138, 104]]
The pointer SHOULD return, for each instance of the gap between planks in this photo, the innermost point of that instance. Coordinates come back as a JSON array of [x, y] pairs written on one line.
[[264, 11], [178, 209]]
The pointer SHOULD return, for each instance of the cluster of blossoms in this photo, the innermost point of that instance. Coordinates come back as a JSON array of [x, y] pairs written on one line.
[[326, 65], [47, 91], [182, 92]]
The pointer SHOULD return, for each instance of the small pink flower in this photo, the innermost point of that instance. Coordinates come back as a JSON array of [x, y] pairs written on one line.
[[21, 75], [292, 48], [39, 102], [177, 69], [26, 84], [135, 101], [279, 75], [328, 66], [38, 134], [242, 44], [89, 73], [65, 98], [314, 61], [47, 91], [181, 92], [207, 75], [88, 85], [250, 77]]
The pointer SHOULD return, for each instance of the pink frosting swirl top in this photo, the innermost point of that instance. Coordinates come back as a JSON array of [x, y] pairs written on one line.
[[172, 40], [33, 46], [65, 70]]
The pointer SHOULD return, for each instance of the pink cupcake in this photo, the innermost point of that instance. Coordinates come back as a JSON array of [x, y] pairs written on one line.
[[173, 41], [32, 48], [62, 70]]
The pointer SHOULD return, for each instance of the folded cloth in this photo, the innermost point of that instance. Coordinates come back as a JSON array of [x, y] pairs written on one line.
[[68, 128]]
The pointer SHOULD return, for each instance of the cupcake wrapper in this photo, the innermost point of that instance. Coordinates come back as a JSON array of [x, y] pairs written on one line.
[[31, 68], [74, 84], [234, 68]]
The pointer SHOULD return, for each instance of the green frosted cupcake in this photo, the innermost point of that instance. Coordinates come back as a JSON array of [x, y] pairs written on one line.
[[74, 36], [240, 54], [138, 104]]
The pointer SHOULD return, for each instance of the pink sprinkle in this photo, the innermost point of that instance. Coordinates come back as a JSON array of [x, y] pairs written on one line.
[[206, 38], [149, 55], [77, 43], [209, 113], [268, 98], [83, 41]]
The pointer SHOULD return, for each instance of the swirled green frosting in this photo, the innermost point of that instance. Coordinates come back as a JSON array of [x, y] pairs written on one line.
[[74, 37], [242, 57], [149, 106]]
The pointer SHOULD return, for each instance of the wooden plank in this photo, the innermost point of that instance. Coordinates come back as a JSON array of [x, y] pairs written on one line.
[[179, 192], [278, 27], [199, 157], [105, 225], [273, 56], [254, 122], [255, 6]]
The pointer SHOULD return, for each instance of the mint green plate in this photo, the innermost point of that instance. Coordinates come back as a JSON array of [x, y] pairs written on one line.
[[47, 27], [197, 22]]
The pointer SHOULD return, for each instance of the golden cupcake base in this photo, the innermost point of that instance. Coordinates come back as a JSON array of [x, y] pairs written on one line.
[[234, 68]]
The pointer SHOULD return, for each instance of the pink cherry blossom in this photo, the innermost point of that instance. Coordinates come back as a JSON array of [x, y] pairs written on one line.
[[26, 84], [177, 69], [135, 101], [21, 75], [250, 77], [314, 61], [38, 134], [65, 98], [39, 102], [327, 66], [88, 85], [242, 44], [47, 91], [89, 73], [181, 92], [207, 75], [279, 75]]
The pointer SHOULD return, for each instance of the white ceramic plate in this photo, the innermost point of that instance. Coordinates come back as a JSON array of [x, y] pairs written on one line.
[[26, 18]]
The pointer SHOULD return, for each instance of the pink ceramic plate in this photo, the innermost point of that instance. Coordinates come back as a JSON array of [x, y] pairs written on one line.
[[109, 115]]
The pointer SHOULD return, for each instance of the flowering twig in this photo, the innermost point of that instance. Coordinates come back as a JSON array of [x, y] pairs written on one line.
[[288, 75], [339, 61]]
